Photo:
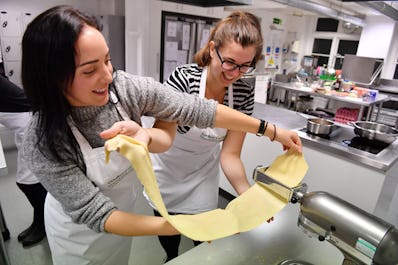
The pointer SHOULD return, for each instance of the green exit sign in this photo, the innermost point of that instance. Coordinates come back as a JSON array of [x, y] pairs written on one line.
[[277, 21]]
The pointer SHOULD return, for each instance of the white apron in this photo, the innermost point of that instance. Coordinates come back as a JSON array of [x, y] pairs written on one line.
[[17, 122], [188, 173], [72, 243]]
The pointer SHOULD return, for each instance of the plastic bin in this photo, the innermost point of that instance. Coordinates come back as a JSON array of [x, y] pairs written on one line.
[[345, 115]]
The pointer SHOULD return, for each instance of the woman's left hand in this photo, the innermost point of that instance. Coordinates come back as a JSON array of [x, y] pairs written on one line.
[[289, 139], [129, 128]]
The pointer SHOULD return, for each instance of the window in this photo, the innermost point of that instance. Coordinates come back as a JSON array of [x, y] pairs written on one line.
[[327, 24], [345, 47], [321, 51], [331, 44]]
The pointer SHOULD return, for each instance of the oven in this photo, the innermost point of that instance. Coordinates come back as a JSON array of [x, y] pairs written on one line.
[[388, 114]]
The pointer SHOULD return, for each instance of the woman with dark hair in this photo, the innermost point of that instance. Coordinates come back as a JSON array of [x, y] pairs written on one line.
[[78, 102], [188, 173]]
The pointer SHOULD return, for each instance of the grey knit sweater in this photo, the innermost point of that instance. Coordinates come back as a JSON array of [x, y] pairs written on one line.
[[139, 96]]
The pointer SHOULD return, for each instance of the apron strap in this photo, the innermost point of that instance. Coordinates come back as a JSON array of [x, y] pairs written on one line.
[[81, 140], [202, 88]]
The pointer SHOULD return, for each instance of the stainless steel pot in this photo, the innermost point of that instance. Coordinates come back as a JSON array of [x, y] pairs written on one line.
[[319, 126], [375, 131]]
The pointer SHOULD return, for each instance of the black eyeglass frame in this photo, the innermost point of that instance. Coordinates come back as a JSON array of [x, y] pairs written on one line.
[[250, 68]]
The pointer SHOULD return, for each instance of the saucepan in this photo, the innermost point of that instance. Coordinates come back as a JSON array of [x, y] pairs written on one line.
[[375, 131], [318, 126]]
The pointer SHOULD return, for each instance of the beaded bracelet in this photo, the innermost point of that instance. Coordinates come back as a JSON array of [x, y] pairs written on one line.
[[273, 138]]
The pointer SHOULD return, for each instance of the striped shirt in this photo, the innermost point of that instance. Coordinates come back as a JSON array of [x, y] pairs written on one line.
[[186, 78]]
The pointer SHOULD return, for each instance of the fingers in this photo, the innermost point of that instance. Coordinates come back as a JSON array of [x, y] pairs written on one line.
[[129, 128], [111, 132], [290, 141]]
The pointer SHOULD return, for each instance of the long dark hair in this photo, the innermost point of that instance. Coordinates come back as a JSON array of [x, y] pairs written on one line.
[[241, 27], [48, 69]]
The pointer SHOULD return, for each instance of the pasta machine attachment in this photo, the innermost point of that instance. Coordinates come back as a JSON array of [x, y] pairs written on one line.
[[363, 238], [284, 192]]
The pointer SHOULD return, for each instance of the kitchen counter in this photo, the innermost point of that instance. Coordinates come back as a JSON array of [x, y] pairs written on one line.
[[287, 119], [353, 178], [268, 244], [291, 87]]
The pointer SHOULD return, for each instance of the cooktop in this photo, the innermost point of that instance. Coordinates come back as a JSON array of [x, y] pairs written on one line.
[[346, 137]]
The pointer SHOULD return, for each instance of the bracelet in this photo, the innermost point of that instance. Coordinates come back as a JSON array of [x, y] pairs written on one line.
[[262, 128], [273, 138]]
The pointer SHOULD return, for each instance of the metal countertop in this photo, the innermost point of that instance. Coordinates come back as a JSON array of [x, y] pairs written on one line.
[[287, 119]]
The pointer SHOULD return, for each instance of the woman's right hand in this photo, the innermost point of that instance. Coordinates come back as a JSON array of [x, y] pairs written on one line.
[[289, 139], [129, 128]]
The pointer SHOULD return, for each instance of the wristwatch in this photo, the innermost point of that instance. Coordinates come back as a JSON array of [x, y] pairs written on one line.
[[262, 128]]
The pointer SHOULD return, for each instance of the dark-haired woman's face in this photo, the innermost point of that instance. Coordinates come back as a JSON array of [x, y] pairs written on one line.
[[93, 70]]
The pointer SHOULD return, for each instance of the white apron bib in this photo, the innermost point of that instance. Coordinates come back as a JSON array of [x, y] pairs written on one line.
[[188, 173], [73, 243]]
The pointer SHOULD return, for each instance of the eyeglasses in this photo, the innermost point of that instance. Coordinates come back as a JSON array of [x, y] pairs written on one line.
[[230, 66]]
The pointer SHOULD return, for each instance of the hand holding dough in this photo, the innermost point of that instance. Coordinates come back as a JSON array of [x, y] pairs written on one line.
[[244, 213]]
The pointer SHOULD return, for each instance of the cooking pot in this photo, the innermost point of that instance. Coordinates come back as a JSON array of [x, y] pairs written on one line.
[[318, 126], [375, 131]]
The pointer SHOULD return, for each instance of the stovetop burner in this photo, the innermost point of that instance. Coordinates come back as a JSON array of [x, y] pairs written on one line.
[[371, 146], [348, 138]]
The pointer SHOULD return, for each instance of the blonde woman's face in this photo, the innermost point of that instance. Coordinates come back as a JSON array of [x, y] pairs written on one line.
[[93, 70], [232, 53]]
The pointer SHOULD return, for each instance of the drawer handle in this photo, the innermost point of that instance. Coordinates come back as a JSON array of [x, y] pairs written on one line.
[[5, 23], [8, 48], [10, 73]]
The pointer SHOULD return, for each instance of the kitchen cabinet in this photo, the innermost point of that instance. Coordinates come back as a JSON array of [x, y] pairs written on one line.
[[11, 48], [13, 25], [10, 23]]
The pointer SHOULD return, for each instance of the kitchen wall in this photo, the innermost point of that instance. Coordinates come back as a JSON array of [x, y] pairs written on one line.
[[379, 40], [143, 30]]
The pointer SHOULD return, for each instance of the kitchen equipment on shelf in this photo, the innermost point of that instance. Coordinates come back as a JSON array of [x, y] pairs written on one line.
[[344, 115], [375, 131], [362, 237], [388, 113]]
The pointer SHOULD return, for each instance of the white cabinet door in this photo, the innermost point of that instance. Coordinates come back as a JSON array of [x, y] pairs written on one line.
[[11, 48], [26, 19], [13, 72], [10, 24]]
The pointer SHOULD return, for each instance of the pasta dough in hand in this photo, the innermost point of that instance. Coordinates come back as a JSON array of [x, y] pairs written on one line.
[[244, 213]]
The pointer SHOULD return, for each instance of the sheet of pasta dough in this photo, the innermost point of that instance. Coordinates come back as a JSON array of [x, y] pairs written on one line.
[[244, 213]]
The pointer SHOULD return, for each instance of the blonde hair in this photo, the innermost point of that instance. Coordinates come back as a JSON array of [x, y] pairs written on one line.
[[242, 27]]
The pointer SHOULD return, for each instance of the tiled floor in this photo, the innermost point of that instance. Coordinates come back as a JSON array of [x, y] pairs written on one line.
[[18, 214]]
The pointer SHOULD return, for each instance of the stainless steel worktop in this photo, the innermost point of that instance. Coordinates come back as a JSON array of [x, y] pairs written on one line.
[[272, 243], [290, 120], [293, 89]]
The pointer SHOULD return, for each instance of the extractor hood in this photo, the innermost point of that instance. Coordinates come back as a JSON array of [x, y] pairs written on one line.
[[212, 3]]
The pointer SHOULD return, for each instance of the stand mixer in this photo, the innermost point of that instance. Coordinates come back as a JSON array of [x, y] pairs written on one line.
[[362, 237]]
